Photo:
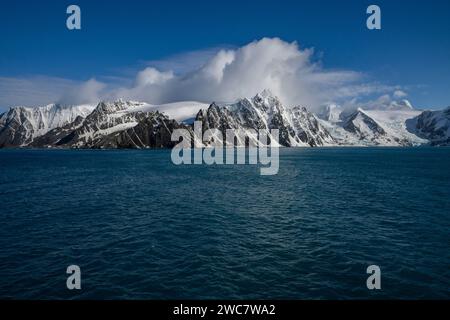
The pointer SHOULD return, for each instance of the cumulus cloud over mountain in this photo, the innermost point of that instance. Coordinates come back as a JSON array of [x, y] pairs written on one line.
[[289, 71]]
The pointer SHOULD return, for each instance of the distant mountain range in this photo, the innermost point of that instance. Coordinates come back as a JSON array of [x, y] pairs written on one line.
[[129, 124]]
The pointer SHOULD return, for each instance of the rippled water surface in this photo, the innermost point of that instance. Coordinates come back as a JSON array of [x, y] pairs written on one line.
[[140, 227]]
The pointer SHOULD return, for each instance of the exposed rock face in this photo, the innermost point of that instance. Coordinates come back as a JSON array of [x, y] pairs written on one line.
[[114, 125], [55, 136], [297, 126], [309, 129], [106, 119], [364, 127], [128, 124], [154, 131], [434, 126], [20, 125]]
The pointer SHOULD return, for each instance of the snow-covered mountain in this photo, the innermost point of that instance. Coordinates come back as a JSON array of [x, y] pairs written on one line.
[[394, 123], [154, 130], [297, 126], [179, 111], [372, 126], [130, 124], [433, 126], [104, 125], [20, 125], [105, 119]]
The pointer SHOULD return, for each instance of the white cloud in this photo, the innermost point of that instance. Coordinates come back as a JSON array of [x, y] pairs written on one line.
[[384, 102], [86, 92], [151, 76], [399, 94], [270, 63], [42, 90], [214, 75], [32, 91], [185, 62]]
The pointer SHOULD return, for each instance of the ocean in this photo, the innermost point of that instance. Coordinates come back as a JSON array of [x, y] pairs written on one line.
[[140, 227]]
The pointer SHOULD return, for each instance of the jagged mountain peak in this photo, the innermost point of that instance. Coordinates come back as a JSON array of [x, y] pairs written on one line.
[[266, 97], [300, 108], [86, 126], [117, 105], [266, 93], [351, 113], [297, 126], [37, 109], [267, 103], [20, 125], [359, 110]]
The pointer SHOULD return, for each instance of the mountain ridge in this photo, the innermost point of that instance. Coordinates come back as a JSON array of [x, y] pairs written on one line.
[[132, 124]]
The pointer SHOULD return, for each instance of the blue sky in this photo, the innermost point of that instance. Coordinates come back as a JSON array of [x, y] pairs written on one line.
[[121, 38]]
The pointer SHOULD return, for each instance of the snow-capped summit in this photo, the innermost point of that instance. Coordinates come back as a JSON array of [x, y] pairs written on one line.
[[20, 125], [133, 124], [297, 126], [108, 107]]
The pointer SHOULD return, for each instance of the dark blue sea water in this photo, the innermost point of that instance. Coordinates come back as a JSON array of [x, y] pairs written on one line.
[[140, 227]]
